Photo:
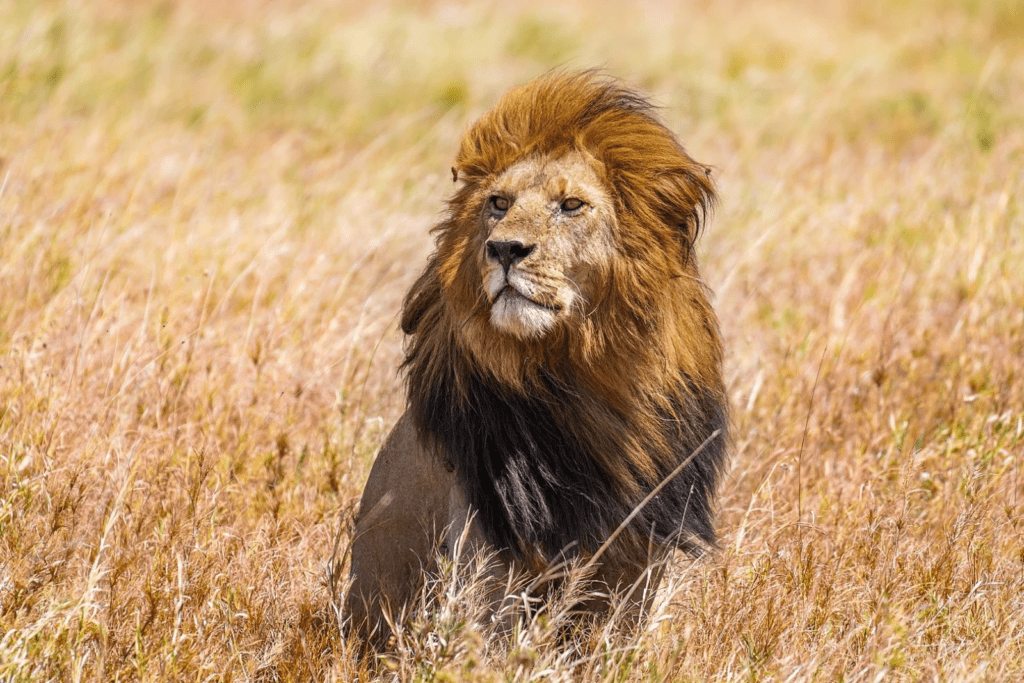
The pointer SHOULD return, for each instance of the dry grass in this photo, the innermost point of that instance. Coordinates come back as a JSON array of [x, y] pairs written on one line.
[[209, 212]]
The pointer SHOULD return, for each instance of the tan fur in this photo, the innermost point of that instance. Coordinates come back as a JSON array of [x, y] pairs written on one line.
[[608, 302]]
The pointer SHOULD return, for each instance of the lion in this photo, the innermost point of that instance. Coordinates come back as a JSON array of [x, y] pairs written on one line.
[[563, 362]]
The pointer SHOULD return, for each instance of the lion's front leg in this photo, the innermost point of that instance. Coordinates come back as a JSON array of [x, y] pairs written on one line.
[[403, 513], [483, 572]]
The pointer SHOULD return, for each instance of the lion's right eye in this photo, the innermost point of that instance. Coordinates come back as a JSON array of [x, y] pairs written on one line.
[[499, 203], [572, 204]]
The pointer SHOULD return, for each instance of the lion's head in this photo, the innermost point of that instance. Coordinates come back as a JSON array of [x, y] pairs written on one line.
[[563, 356]]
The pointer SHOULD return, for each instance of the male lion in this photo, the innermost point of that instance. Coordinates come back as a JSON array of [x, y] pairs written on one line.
[[563, 362]]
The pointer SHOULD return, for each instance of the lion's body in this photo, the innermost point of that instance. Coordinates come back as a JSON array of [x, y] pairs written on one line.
[[563, 358]]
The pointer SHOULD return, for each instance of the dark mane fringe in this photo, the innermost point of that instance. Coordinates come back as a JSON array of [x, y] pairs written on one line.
[[554, 441], [527, 465]]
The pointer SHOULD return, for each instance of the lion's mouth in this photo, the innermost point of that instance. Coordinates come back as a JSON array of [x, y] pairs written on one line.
[[512, 293]]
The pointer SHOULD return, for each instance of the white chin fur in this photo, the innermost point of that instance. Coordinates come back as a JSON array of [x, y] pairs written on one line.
[[517, 315]]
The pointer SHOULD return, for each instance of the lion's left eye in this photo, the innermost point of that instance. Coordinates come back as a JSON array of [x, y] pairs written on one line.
[[572, 204]]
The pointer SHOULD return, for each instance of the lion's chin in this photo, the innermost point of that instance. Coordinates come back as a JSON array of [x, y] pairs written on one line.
[[515, 314]]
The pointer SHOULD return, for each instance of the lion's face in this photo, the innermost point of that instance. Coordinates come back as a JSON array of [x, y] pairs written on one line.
[[547, 242]]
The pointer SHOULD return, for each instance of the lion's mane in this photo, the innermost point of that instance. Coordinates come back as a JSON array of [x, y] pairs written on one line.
[[555, 440]]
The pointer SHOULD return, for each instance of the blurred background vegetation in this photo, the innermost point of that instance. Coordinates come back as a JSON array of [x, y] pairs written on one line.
[[210, 210]]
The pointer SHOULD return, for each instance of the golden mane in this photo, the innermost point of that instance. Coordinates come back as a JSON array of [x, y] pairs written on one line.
[[617, 400]]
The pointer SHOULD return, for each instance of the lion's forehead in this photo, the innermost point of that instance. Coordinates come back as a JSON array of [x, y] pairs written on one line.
[[552, 178]]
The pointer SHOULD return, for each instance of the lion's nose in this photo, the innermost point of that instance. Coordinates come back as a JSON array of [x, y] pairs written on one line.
[[508, 253]]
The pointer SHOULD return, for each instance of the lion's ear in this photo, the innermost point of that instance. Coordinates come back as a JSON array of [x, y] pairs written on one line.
[[686, 196]]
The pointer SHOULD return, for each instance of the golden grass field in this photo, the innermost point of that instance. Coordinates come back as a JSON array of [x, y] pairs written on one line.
[[209, 213]]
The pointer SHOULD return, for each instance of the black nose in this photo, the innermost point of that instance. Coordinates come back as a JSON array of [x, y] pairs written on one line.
[[508, 253]]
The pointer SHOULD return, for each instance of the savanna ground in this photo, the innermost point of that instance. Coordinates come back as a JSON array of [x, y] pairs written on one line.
[[209, 212]]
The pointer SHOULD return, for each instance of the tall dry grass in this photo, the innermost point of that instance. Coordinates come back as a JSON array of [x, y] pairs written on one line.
[[209, 212]]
